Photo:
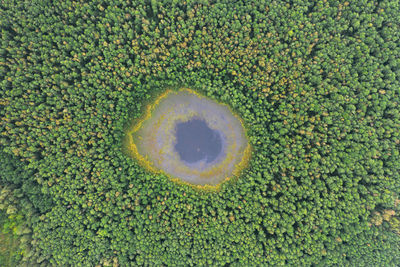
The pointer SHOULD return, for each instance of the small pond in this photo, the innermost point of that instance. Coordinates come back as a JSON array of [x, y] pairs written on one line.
[[191, 138]]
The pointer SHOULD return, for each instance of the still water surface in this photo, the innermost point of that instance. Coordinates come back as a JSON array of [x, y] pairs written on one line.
[[197, 142]]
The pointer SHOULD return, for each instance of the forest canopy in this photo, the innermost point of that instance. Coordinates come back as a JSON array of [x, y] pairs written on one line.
[[315, 82]]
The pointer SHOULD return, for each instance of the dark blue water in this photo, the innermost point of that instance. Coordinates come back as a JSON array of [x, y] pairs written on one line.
[[195, 141]]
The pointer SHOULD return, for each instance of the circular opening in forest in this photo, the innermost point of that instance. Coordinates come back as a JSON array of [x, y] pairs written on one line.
[[196, 141], [191, 138]]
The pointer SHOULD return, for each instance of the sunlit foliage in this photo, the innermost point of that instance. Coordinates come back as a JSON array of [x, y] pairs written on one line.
[[316, 83]]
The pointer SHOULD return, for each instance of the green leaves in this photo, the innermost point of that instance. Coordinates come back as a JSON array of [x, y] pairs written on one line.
[[316, 83]]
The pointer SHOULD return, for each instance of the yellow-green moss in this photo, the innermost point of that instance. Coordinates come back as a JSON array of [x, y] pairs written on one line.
[[133, 150]]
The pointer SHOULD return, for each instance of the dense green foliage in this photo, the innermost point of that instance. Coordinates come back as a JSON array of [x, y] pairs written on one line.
[[16, 218], [9, 252], [316, 82]]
